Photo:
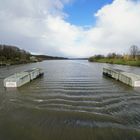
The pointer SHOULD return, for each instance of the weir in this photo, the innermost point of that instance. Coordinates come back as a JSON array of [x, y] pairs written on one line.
[[130, 79], [19, 79]]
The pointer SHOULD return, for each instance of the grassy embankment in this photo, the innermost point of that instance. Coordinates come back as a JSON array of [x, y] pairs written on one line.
[[120, 61]]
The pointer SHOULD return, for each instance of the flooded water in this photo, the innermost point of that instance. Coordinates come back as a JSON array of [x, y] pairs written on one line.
[[72, 101]]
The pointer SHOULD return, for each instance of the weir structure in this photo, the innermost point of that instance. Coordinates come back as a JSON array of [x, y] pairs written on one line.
[[21, 78], [130, 79]]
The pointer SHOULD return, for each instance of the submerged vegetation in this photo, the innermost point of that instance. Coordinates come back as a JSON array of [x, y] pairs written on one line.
[[132, 59]]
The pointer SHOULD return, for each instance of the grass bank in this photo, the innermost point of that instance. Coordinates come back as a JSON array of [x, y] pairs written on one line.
[[116, 61]]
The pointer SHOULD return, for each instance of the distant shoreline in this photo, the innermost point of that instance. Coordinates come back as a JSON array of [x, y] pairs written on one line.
[[9, 63], [4, 64], [12, 55]]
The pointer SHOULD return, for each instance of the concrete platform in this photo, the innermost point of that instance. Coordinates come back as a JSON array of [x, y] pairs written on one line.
[[19, 79], [130, 79]]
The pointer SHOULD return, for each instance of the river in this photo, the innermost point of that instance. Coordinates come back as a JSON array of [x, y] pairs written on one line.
[[72, 101]]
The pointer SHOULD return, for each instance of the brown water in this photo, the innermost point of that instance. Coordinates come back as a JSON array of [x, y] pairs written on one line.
[[73, 101]]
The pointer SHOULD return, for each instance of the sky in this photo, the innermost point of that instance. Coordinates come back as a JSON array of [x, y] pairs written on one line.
[[70, 28]]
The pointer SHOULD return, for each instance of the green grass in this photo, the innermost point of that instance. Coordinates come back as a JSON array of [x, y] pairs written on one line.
[[117, 61]]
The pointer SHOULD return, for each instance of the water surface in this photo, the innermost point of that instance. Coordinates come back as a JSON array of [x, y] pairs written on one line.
[[72, 101]]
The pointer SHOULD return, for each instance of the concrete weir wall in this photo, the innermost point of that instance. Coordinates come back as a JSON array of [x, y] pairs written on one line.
[[122, 76], [19, 79]]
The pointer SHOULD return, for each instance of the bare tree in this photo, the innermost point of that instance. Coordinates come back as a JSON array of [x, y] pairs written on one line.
[[134, 51]]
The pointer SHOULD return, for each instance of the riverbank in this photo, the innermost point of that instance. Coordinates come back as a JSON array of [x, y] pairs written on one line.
[[10, 62], [12, 55], [116, 61]]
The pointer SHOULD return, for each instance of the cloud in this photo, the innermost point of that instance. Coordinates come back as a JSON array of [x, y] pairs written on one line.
[[118, 26], [40, 27]]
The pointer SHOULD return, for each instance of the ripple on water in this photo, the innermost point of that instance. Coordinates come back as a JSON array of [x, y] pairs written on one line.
[[74, 96]]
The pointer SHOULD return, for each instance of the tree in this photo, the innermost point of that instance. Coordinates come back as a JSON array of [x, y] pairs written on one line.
[[112, 55], [13, 54], [134, 51]]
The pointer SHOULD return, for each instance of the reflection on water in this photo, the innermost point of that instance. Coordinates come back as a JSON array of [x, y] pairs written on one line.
[[72, 101]]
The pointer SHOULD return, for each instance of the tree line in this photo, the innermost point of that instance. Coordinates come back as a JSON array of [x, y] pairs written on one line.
[[12, 54], [132, 58], [134, 54]]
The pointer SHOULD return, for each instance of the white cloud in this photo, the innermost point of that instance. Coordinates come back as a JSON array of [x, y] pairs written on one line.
[[118, 25], [40, 26]]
